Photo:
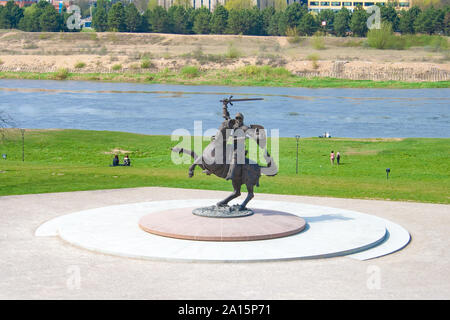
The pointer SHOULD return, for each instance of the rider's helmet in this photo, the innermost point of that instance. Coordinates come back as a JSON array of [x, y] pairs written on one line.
[[240, 117]]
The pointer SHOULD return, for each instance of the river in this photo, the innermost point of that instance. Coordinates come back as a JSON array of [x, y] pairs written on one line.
[[161, 108]]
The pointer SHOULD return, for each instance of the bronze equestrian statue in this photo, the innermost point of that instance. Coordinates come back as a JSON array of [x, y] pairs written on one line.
[[230, 161]]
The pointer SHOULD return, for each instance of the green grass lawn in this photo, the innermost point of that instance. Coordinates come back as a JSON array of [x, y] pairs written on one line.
[[69, 160]]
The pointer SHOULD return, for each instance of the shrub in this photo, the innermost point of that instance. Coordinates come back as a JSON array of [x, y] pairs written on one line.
[[264, 71], [198, 54], [80, 65], [61, 74], [250, 71], [190, 72], [117, 67], [146, 64], [232, 52], [44, 36], [380, 38], [292, 35], [164, 73], [313, 57], [318, 43], [438, 43]]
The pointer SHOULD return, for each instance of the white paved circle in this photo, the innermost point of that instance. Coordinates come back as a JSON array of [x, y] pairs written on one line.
[[330, 232]]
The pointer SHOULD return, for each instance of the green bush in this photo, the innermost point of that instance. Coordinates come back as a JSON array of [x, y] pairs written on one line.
[[264, 71], [146, 64], [385, 40], [232, 52], [380, 38], [425, 40], [314, 57], [190, 72], [318, 43], [117, 67], [292, 35], [80, 65], [44, 36], [61, 74], [438, 43]]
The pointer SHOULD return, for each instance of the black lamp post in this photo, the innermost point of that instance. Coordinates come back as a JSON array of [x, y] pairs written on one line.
[[23, 144], [296, 166]]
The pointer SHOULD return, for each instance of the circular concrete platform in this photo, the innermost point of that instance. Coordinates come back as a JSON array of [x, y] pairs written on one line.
[[330, 232], [183, 224]]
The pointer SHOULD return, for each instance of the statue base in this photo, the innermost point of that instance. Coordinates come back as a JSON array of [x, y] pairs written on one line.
[[222, 211]]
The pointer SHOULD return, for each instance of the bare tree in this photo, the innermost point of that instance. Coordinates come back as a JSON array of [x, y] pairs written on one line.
[[5, 122]]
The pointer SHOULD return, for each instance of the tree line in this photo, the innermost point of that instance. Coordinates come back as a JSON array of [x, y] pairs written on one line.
[[183, 19]]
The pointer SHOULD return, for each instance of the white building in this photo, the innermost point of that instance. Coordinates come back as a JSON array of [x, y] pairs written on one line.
[[211, 4]]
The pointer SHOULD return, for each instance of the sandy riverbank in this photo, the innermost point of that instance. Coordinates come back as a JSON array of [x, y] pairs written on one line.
[[345, 58]]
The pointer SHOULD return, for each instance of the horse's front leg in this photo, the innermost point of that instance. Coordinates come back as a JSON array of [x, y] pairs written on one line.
[[236, 193], [191, 170], [197, 161], [249, 197]]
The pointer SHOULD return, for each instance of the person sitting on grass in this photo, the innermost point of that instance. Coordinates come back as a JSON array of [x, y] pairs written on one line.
[[115, 161], [126, 161]]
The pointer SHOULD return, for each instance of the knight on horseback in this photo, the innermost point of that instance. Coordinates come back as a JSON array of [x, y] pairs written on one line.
[[218, 158]]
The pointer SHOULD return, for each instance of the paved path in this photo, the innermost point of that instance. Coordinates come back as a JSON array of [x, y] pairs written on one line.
[[47, 268]]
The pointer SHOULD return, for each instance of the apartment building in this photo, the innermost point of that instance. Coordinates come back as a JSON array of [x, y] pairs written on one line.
[[316, 6], [211, 4], [20, 3]]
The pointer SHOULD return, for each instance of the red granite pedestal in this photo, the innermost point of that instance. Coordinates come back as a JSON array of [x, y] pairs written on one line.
[[182, 224]]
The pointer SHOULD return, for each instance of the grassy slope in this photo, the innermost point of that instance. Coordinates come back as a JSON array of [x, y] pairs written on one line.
[[69, 160], [265, 77]]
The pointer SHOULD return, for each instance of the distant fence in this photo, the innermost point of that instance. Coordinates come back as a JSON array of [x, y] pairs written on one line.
[[338, 71], [41, 69], [397, 75], [386, 74]]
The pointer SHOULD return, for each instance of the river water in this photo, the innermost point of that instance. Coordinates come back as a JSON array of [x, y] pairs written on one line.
[[161, 109]]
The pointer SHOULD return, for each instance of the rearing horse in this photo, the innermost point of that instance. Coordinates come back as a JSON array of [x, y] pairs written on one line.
[[247, 173]]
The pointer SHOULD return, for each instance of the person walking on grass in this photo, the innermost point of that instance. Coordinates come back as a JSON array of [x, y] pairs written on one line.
[[332, 157], [338, 157]]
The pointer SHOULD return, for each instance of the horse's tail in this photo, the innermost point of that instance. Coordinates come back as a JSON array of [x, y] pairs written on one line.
[[271, 169], [186, 151]]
